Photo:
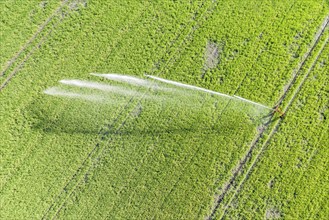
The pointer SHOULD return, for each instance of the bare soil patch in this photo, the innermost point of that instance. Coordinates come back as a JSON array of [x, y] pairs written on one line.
[[211, 56], [272, 213]]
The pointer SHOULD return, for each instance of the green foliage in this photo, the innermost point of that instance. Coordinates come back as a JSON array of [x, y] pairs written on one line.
[[291, 176], [167, 158]]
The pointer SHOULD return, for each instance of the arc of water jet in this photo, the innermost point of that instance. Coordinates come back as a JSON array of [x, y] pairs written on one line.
[[98, 86], [188, 86], [133, 81], [124, 78], [255, 103], [60, 92], [204, 90]]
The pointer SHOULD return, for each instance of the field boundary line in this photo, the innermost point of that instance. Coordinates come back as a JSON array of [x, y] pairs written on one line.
[[259, 135], [34, 36]]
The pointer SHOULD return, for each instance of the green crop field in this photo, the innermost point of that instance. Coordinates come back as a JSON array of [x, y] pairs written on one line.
[[70, 150]]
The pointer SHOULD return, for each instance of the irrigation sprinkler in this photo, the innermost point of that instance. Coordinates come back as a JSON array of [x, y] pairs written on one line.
[[278, 110]]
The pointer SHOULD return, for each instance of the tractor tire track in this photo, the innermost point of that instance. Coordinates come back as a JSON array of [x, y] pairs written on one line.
[[219, 116], [34, 36], [208, 11], [118, 122], [20, 65], [149, 154], [61, 16], [260, 134], [93, 155], [229, 101], [258, 56], [29, 155], [272, 133], [95, 151], [305, 57], [76, 175], [182, 42], [44, 38]]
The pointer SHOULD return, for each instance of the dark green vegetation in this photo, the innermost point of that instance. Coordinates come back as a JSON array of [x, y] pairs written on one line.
[[183, 159]]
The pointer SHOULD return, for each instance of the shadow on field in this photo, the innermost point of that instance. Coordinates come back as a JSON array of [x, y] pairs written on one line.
[[58, 115], [78, 117], [65, 116]]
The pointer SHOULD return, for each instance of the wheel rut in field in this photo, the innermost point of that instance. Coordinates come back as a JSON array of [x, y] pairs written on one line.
[[44, 32], [33, 38], [60, 200], [268, 125]]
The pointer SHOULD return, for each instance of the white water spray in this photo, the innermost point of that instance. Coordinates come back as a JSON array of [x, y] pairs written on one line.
[[187, 86], [135, 81], [60, 92], [204, 90], [255, 103], [123, 90], [100, 86], [124, 78]]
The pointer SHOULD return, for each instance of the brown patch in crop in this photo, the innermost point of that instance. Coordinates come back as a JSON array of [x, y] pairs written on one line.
[[75, 5], [272, 213], [211, 57], [43, 4], [271, 183]]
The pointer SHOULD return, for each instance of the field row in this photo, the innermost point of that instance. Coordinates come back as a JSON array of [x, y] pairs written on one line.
[[165, 158], [99, 199], [44, 122], [290, 170], [269, 128], [33, 16]]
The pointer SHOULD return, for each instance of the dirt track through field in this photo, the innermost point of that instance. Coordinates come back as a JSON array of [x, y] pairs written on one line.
[[223, 110], [21, 64], [258, 137]]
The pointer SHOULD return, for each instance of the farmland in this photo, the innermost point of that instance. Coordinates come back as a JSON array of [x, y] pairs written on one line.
[[179, 155]]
